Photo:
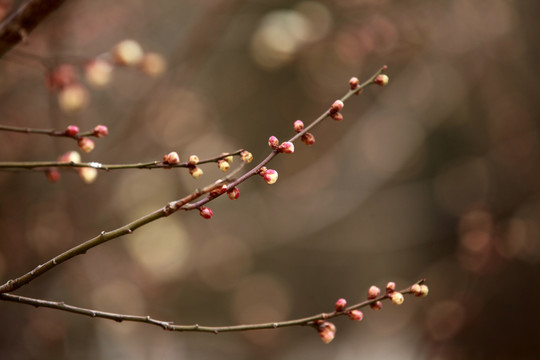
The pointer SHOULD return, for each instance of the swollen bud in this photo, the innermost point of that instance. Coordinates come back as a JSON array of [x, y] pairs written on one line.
[[390, 287], [86, 144], [193, 160], [72, 130], [172, 158], [376, 305], [356, 315], [246, 156], [354, 82], [72, 98], [196, 172], [327, 331], [88, 175], [381, 80], [308, 139], [52, 174], [273, 142], [373, 292], [153, 64], [98, 73], [233, 193], [101, 131], [223, 165], [336, 116], [270, 176], [287, 147], [128, 52], [206, 212], [341, 304], [397, 298], [336, 107], [298, 126]]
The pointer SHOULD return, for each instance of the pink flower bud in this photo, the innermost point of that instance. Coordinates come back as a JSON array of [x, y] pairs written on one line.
[[223, 165], [262, 170], [219, 190], [88, 175], [86, 144], [61, 76], [287, 147], [52, 174], [70, 156], [354, 82], [128, 52], [206, 212], [381, 80], [101, 131], [72, 130], [341, 304], [308, 139], [327, 331], [376, 305], [390, 287], [424, 290], [356, 315], [336, 107], [233, 193], [98, 73], [196, 172], [416, 289], [397, 298], [72, 98], [229, 158], [373, 292], [298, 125], [270, 176], [273, 142], [246, 156], [153, 64], [193, 160], [336, 116], [172, 158]]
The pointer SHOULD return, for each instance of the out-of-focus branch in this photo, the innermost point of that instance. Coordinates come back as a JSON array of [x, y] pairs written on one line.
[[16, 26]]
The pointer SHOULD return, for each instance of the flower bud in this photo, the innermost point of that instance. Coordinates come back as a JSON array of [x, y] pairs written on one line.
[[172, 158], [193, 160], [88, 175], [390, 287], [336, 116], [206, 212], [424, 290], [70, 156], [128, 52], [381, 79], [397, 298], [336, 107], [416, 289], [153, 64], [356, 315], [233, 193], [262, 170], [246, 156], [72, 130], [223, 165], [354, 82], [270, 176], [273, 142], [229, 158], [219, 190], [376, 305], [341, 304], [61, 76], [308, 139], [72, 98], [101, 131], [373, 292], [86, 144], [327, 331], [52, 174], [298, 125], [98, 73], [287, 147], [196, 172]]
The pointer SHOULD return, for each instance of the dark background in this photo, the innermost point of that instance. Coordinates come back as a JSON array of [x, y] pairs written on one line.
[[435, 176]]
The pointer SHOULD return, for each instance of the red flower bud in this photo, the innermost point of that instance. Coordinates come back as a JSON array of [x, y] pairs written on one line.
[[72, 130], [206, 212], [298, 125]]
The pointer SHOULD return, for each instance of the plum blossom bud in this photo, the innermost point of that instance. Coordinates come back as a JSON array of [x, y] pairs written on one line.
[[193, 160], [128, 52], [354, 82], [88, 175], [336, 107], [373, 292], [397, 298], [196, 172], [101, 131], [390, 287], [262, 170], [72, 98], [172, 158], [424, 290], [341, 304], [356, 315], [61, 76], [270, 176], [287, 147], [376, 305], [308, 139], [336, 116], [416, 289], [223, 165], [70, 156], [298, 125], [233, 193], [273, 142], [153, 64], [246, 156], [52, 174], [327, 331], [219, 190], [86, 144], [228, 159], [72, 130], [381, 79], [98, 73], [206, 212]]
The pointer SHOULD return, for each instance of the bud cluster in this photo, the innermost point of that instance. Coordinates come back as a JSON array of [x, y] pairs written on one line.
[[87, 174]]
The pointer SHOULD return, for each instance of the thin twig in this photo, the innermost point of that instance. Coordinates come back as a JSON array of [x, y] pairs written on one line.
[[169, 325]]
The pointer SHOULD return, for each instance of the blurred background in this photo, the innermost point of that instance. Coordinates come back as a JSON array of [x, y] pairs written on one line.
[[435, 176]]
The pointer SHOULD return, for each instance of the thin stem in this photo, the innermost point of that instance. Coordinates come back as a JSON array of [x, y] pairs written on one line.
[[49, 132], [169, 325], [27, 165]]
